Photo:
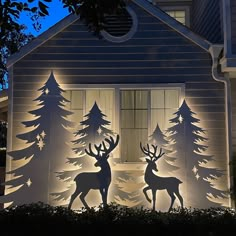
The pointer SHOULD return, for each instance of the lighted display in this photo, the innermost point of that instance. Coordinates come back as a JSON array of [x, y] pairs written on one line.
[[89, 153]]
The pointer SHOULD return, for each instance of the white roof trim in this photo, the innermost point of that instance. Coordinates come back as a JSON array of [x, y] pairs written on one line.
[[151, 9], [175, 25], [42, 38]]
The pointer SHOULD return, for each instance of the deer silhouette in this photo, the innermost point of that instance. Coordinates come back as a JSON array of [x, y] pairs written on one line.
[[155, 182], [96, 180]]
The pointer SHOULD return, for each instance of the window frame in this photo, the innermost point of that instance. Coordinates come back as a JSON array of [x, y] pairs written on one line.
[[117, 105], [179, 8]]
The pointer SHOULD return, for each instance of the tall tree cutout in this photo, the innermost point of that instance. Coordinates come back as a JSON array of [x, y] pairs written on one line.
[[45, 148], [166, 163], [94, 132], [189, 145]]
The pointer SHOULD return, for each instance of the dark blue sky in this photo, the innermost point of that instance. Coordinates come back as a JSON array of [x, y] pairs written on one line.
[[56, 13]]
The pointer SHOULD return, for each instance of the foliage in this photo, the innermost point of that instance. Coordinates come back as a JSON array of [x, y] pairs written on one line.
[[12, 38], [42, 218]]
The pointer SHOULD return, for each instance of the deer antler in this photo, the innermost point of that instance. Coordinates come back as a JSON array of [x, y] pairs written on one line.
[[102, 147], [91, 153], [112, 144], [152, 155]]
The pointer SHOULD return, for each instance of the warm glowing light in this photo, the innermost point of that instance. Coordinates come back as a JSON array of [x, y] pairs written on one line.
[[43, 134], [194, 170], [41, 144], [46, 91], [197, 176], [99, 130], [181, 119], [29, 182]]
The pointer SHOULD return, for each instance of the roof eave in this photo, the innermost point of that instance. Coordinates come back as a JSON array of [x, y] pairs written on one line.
[[175, 25]]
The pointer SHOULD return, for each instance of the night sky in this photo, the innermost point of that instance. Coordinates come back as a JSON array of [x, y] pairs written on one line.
[[56, 13]]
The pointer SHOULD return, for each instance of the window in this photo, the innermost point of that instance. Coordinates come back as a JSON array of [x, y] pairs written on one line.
[[141, 111], [133, 112], [179, 15], [83, 100]]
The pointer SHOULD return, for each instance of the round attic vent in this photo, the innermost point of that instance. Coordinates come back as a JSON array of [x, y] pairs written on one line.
[[120, 28]]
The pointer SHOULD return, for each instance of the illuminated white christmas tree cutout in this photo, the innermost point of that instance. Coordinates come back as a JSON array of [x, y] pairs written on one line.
[[44, 150], [188, 142]]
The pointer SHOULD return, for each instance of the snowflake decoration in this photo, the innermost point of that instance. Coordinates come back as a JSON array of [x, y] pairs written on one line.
[[195, 170], [41, 144], [29, 182], [43, 134], [99, 131], [181, 119], [197, 176]]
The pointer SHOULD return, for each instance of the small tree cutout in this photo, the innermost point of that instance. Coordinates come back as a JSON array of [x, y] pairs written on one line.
[[167, 163]]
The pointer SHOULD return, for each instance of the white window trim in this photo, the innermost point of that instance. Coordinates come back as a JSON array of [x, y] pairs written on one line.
[[179, 8], [117, 88]]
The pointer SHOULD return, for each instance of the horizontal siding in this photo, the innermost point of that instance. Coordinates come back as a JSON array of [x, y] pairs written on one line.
[[233, 25], [206, 19], [155, 55]]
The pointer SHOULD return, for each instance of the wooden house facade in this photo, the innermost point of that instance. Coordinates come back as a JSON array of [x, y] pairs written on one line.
[[152, 82]]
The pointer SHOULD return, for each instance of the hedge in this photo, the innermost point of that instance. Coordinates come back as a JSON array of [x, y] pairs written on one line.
[[43, 219]]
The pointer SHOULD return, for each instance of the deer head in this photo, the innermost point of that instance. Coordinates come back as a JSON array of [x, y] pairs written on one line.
[[103, 150], [152, 154]]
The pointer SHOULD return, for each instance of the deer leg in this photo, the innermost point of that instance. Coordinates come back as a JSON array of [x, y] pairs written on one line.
[[82, 196], [154, 199], [172, 199], [180, 198], [145, 193], [73, 197]]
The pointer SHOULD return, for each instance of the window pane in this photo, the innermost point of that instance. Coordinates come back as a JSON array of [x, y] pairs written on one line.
[[106, 100], [67, 95], [77, 117], [169, 114], [127, 99], [141, 99], [77, 99], [130, 144], [180, 14], [141, 119], [127, 119], [157, 117], [157, 99], [91, 97], [171, 98]]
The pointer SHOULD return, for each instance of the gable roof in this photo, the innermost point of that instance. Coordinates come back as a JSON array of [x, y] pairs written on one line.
[[144, 4]]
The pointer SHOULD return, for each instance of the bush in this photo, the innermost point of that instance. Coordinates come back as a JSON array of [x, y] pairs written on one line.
[[42, 219]]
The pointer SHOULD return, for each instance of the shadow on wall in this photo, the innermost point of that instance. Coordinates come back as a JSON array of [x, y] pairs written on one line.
[[3, 144]]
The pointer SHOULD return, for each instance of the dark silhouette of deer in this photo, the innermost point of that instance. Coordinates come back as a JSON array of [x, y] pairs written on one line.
[[155, 182], [96, 180]]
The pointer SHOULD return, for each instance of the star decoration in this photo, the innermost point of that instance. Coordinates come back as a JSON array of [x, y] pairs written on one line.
[[41, 144], [38, 137], [99, 130], [181, 119], [197, 176], [195, 170], [43, 134], [29, 182], [46, 91]]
